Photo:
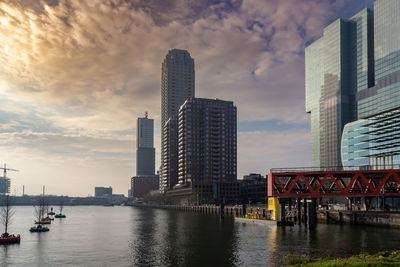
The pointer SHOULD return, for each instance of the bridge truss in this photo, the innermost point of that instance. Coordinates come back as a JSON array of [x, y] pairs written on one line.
[[316, 184]]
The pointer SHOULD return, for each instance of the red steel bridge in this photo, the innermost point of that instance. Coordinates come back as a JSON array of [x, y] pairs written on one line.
[[308, 183]]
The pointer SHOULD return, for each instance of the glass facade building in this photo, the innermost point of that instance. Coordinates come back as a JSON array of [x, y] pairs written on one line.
[[354, 109], [330, 90]]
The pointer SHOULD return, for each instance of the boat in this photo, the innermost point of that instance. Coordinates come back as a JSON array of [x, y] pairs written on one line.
[[6, 215], [39, 213]]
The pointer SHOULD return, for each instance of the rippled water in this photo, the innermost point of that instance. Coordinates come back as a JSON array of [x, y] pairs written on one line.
[[129, 236]]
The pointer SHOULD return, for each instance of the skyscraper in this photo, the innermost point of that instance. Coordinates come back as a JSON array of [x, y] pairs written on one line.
[[330, 91], [145, 152], [177, 84], [353, 89], [145, 180]]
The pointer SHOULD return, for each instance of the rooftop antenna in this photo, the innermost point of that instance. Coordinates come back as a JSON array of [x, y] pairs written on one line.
[[146, 114], [43, 190], [23, 190]]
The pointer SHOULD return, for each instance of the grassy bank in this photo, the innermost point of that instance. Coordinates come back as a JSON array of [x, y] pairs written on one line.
[[384, 258]]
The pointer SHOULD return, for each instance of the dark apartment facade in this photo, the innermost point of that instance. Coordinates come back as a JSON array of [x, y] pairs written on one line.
[[207, 149]]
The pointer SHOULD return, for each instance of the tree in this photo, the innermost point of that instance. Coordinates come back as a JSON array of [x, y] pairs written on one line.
[[6, 213]]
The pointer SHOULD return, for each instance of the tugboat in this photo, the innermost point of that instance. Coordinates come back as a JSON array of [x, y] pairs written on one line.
[[39, 212], [60, 215], [6, 214]]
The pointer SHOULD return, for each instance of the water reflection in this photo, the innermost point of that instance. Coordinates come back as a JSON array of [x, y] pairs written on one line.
[[172, 238], [328, 241], [143, 243], [127, 236]]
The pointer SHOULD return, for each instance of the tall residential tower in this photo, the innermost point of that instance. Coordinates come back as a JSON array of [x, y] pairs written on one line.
[[177, 84]]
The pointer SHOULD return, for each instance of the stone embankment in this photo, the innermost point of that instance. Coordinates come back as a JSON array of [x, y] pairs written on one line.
[[213, 209], [376, 218]]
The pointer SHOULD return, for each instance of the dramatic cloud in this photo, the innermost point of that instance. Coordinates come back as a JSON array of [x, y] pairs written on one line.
[[89, 68]]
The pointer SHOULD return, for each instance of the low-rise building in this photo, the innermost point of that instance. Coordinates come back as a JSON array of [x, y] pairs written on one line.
[[102, 191], [254, 188], [144, 184]]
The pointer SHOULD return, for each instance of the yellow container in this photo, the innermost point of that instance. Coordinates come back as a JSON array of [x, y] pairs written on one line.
[[275, 208]]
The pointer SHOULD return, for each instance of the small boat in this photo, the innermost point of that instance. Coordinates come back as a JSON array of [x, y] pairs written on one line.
[[9, 239], [39, 228]]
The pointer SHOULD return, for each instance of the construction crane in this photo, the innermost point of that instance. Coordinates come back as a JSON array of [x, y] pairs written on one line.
[[7, 169]]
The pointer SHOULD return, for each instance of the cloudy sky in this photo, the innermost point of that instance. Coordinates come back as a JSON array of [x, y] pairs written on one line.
[[75, 75]]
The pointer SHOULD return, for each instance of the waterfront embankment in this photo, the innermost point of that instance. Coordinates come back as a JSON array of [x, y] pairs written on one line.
[[384, 258], [374, 218], [227, 210]]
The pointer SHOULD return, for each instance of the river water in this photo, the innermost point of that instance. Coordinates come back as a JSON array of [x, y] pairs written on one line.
[[131, 236]]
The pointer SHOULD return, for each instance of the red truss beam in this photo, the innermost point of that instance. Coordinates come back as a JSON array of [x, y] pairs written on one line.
[[334, 183]]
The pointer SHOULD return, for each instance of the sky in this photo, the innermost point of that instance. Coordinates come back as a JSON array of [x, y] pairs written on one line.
[[75, 75]]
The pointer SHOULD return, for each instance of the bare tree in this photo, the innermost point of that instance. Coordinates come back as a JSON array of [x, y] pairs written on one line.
[[61, 206], [40, 210], [6, 213]]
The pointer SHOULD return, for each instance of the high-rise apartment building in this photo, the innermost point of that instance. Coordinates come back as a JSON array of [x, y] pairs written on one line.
[[177, 84], [169, 167], [145, 152], [353, 89], [207, 148]]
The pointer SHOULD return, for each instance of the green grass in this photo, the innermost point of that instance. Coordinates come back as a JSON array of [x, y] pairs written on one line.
[[384, 258]]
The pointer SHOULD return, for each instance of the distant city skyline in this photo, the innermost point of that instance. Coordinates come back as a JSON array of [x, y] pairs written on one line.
[[74, 77]]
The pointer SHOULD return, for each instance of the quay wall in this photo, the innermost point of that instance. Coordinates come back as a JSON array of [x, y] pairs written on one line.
[[375, 218], [213, 209]]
